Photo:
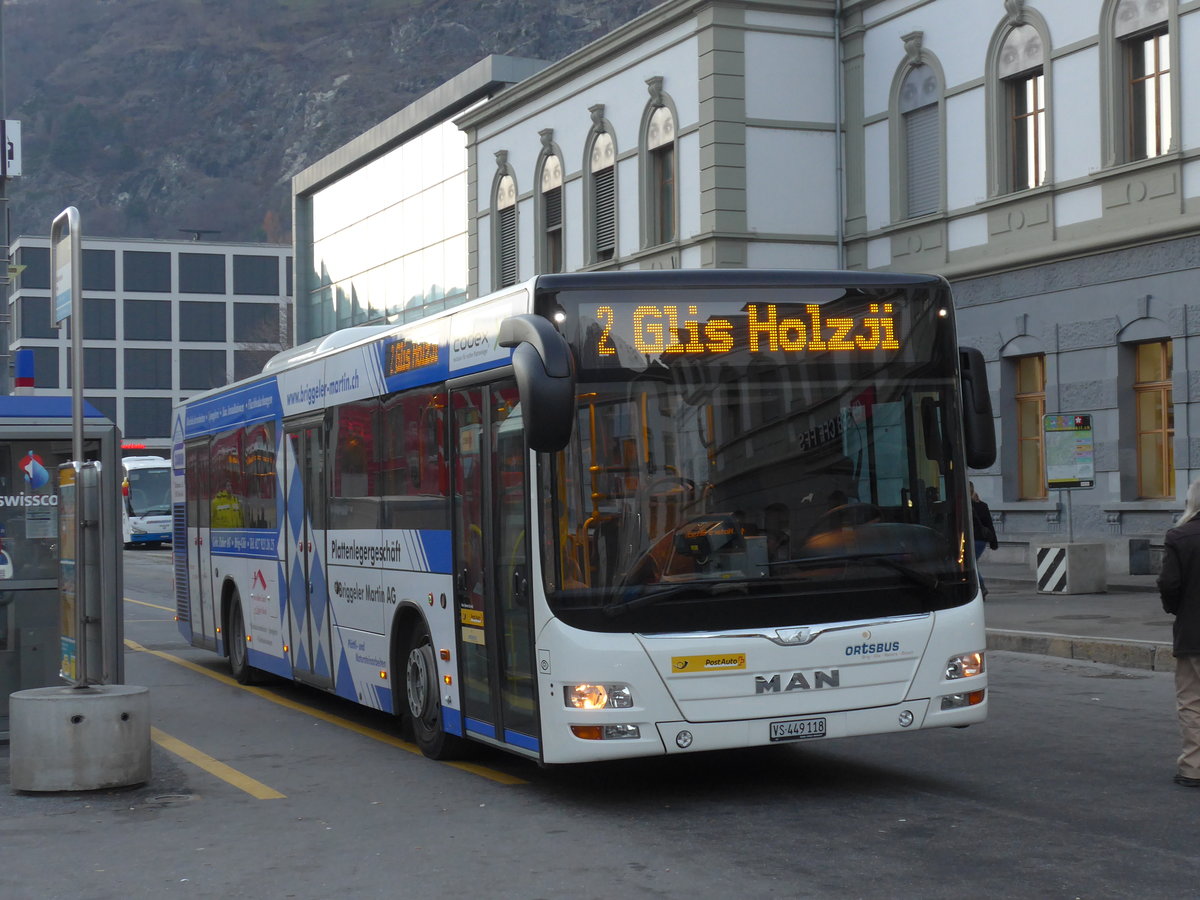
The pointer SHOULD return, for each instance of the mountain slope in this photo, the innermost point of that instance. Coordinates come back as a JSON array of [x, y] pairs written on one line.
[[160, 116]]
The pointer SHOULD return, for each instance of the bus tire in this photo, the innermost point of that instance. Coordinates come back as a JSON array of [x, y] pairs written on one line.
[[422, 705], [239, 657]]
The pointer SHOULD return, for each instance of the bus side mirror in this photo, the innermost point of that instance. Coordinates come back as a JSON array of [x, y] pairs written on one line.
[[545, 373], [978, 429]]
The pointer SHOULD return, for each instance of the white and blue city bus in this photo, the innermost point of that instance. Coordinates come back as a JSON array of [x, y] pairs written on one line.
[[603, 515], [146, 501]]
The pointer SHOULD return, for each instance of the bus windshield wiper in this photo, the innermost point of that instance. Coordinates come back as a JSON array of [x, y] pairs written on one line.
[[664, 592], [924, 579]]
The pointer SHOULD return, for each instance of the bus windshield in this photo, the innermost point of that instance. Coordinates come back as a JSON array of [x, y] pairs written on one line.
[[149, 491], [761, 457]]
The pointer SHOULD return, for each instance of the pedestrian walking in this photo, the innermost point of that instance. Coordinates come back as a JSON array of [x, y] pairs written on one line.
[[1179, 588], [985, 531]]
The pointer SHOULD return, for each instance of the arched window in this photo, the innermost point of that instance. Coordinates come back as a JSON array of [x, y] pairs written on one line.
[[920, 124], [1139, 60], [1030, 397], [1155, 416], [600, 194], [550, 207], [505, 206], [916, 137], [660, 195], [1021, 70]]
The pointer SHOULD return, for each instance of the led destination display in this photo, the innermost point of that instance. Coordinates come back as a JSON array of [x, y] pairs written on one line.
[[663, 329], [403, 355]]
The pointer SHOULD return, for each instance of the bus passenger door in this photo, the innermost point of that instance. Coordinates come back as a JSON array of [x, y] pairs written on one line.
[[491, 566], [308, 600], [199, 554]]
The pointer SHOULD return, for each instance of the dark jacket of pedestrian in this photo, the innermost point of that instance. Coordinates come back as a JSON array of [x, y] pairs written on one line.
[[1179, 585], [981, 520]]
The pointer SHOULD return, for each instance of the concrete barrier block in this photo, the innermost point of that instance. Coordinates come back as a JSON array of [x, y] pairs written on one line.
[[1071, 568]]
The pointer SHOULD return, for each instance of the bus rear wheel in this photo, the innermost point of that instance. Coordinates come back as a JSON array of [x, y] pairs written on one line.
[[239, 662], [422, 703]]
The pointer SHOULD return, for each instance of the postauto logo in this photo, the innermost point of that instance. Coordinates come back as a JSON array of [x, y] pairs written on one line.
[[36, 475]]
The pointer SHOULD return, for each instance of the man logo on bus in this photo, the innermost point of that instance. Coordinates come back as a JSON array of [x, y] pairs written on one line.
[[36, 475]]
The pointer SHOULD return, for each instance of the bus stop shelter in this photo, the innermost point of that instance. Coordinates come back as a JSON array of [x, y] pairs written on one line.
[[35, 438]]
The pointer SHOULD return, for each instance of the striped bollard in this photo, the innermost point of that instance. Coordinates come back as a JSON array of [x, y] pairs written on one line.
[[1052, 570]]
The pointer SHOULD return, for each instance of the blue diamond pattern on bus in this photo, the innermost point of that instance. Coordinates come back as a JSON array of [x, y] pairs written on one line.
[[295, 511], [296, 586], [344, 685], [319, 597], [321, 663], [383, 698], [319, 604], [285, 591]]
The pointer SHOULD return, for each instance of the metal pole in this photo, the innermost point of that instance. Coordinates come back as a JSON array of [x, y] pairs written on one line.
[[70, 217], [1070, 520], [74, 312]]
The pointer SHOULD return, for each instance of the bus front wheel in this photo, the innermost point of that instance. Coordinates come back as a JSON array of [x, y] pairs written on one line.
[[421, 694]]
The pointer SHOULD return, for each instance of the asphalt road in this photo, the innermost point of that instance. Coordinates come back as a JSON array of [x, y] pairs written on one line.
[[1065, 792]]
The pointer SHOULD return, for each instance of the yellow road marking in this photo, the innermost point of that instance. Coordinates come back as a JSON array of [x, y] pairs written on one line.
[[169, 609], [373, 733], [215, 767]]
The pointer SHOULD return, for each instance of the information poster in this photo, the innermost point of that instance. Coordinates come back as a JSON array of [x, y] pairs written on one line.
[[1070, 451], [69, 618]]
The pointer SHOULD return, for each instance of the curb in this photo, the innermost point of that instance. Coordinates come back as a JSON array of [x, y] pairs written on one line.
[[1112, 587], [1153, 655]]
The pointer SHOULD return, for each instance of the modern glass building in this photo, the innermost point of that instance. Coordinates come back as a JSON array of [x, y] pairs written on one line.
[[381, 224], [161, 320]]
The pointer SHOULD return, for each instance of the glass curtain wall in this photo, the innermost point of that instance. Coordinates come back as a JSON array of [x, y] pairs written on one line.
[[390, 238]]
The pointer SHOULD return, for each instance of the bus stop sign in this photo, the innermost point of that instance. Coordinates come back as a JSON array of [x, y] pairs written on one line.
[[1070, 451]]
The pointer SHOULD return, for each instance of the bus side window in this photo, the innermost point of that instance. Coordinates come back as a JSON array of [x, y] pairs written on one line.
[[353, 500], [413, 474], [260, 477], [226, 480]]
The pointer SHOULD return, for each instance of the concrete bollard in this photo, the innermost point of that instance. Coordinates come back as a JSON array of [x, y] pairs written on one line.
[[79, 739], [1071, 568]]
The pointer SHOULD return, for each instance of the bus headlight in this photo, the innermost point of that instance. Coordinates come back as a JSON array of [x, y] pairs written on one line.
[[598, 696], [965, 665]]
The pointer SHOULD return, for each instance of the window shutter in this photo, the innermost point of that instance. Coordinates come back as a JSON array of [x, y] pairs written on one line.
[[508, 246], [606, 213], [922, 160], [553, 201]]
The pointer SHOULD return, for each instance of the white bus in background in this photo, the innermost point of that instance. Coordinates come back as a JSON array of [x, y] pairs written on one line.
[[146, 501]]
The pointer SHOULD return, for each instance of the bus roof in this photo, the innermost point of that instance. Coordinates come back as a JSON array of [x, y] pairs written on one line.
[[145, 462]]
